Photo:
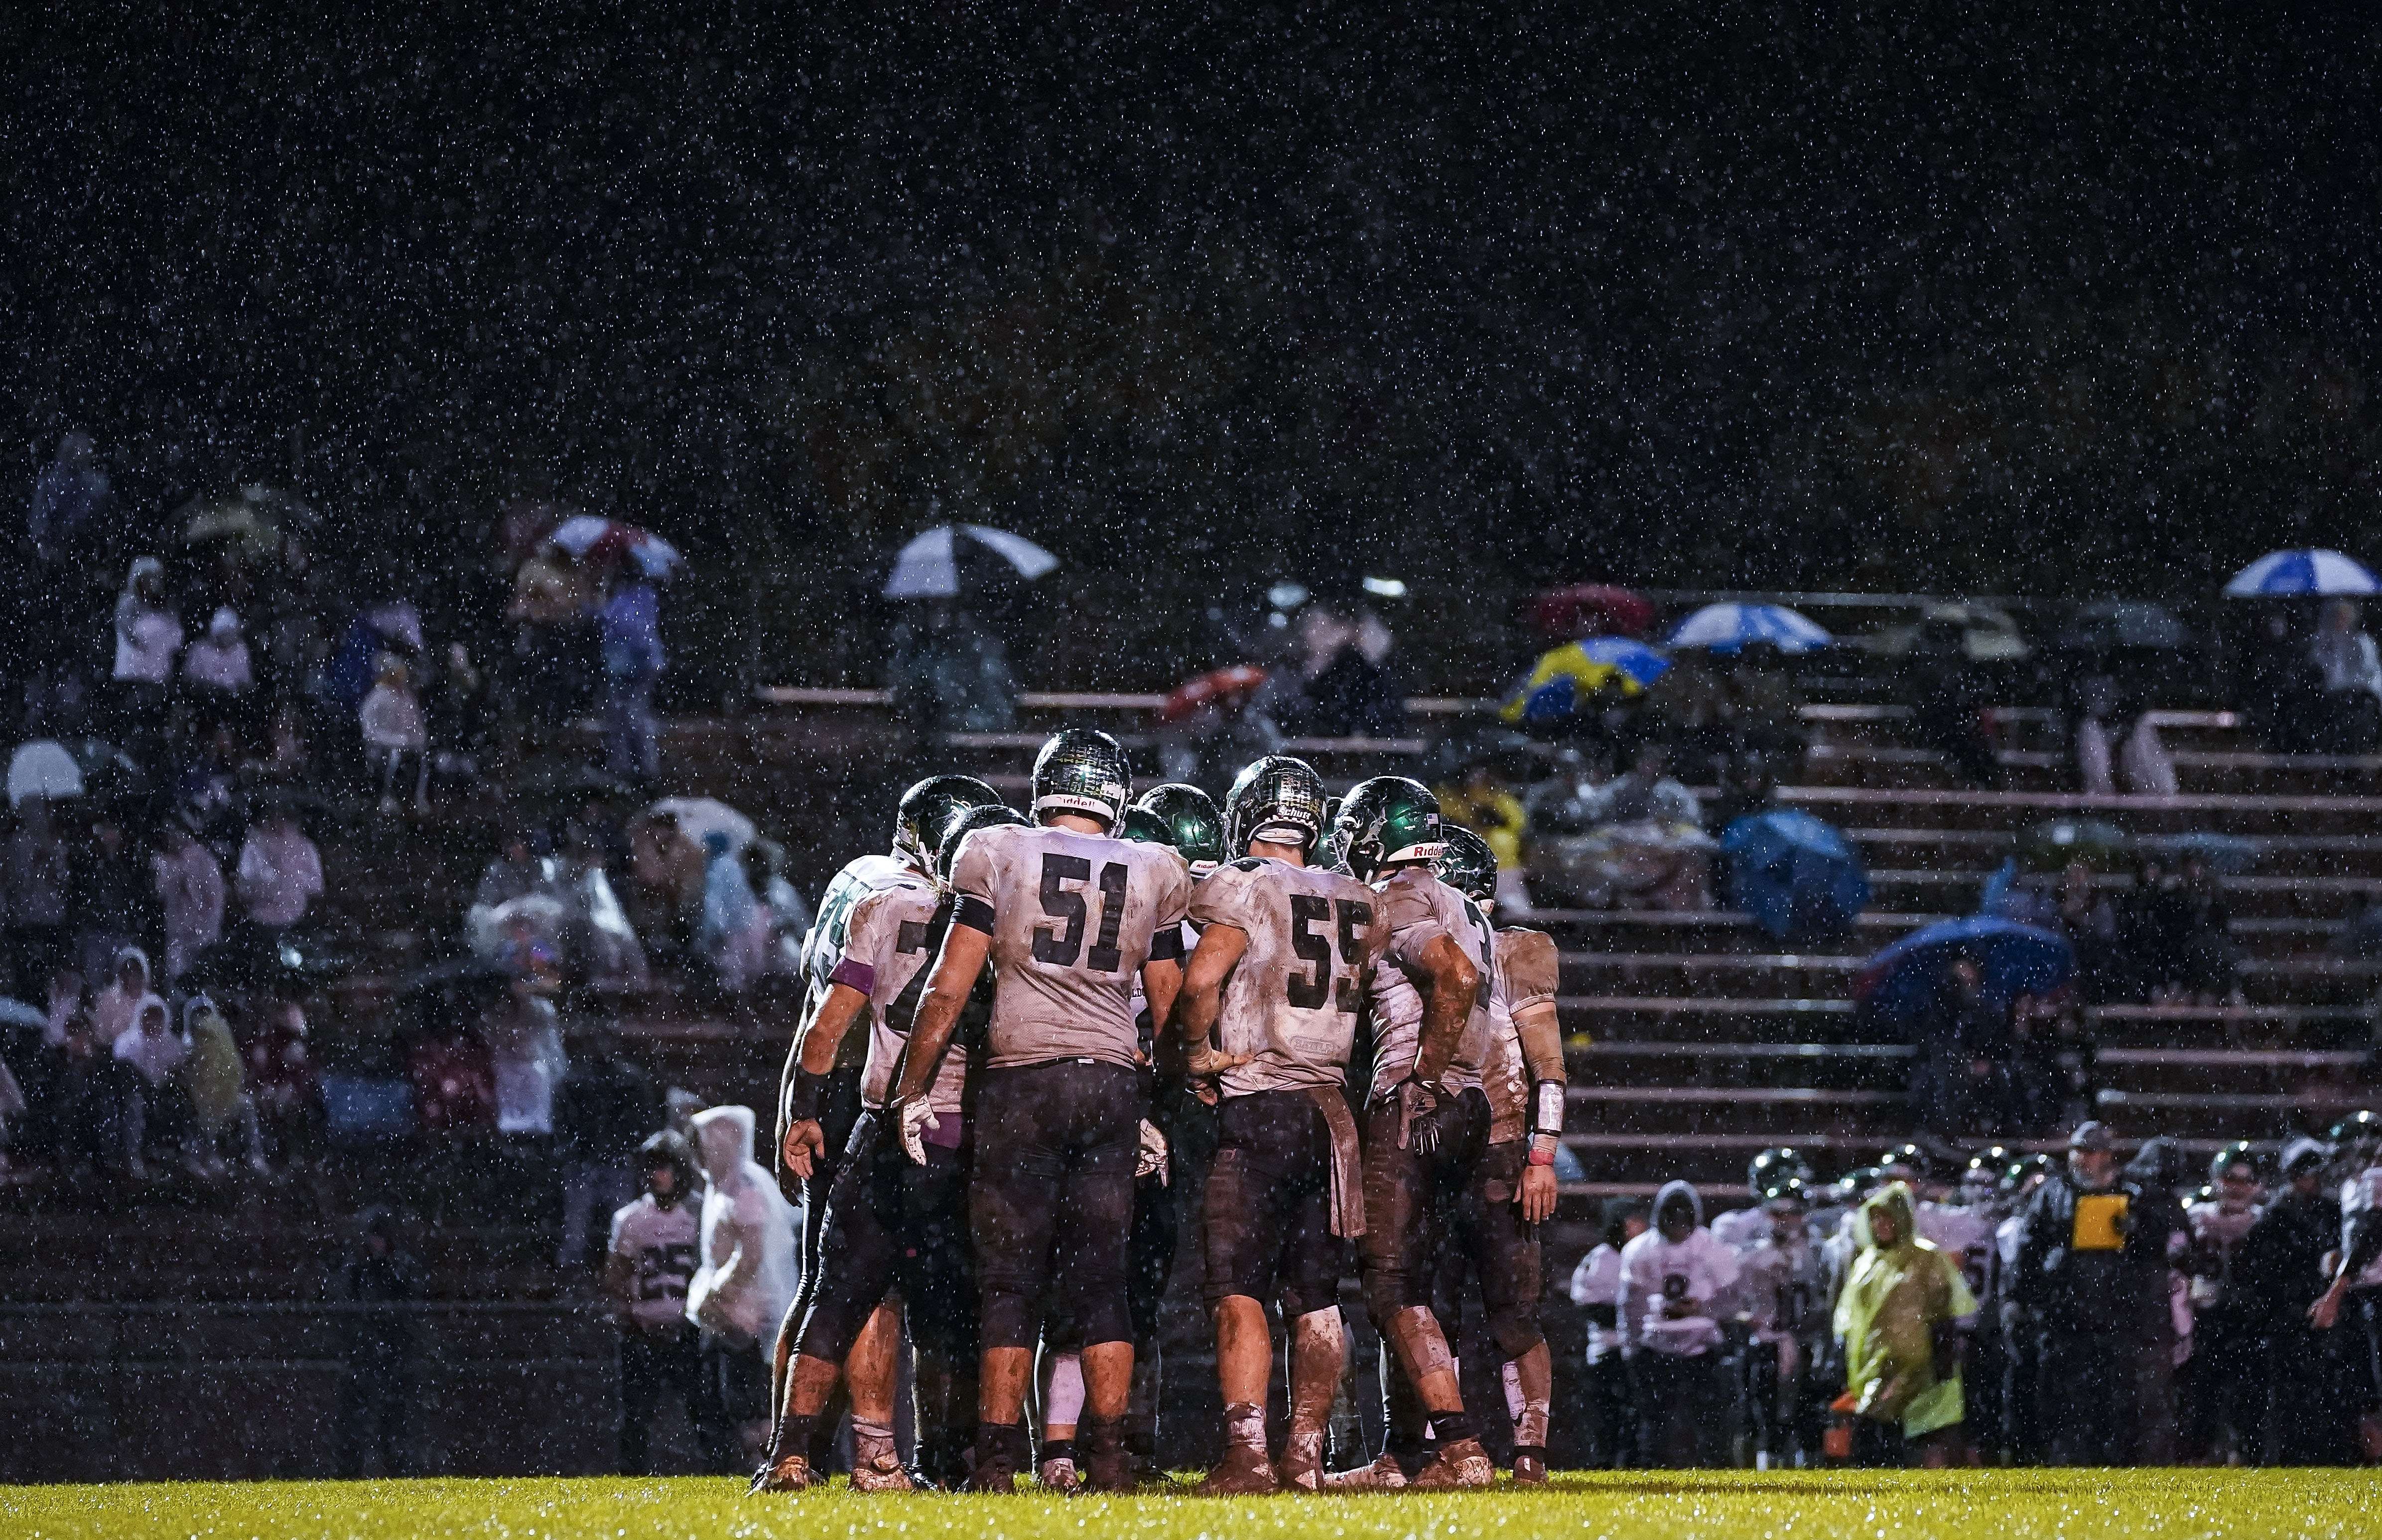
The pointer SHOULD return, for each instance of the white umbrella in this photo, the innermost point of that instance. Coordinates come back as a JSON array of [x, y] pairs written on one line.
[[929, 567], [43, 768], [2283, 573], [698, 816]]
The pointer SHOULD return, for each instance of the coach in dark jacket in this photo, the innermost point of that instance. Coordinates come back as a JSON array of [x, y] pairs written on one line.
[[2091, 1283]]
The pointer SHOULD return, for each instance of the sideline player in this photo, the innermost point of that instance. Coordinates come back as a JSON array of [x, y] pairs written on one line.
[[1286, 951], [1425, 1119], [890, 1225], [1067, 914]]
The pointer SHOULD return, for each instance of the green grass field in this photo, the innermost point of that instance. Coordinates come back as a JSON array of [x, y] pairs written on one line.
[[2013, 1505]]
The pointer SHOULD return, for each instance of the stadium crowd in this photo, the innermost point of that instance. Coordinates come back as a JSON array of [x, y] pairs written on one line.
[[163, 884]]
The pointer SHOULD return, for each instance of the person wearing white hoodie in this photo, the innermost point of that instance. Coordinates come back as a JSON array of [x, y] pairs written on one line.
[[1673, 1278], [743, 1281]]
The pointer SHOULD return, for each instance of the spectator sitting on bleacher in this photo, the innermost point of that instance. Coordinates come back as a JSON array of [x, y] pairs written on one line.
[[217, 676], [1642, 845], [666, 883], [212, 1077], [117, 1008], [2210, 965], [160, 1106], [281, 1078], [2350, 710], [454, 1105], [191, 895], [281, 872], [2141, 761], [734, 937], [87, 1102], [37, 897], [1947, 695], [2160, 932], [520, 869], [1482, 802]]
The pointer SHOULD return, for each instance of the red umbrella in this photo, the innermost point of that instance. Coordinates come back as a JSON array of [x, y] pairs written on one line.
[[1581, 608], [1213, 688]]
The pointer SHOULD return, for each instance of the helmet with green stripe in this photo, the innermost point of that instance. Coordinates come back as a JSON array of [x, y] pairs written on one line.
[[1467, 864], [1193, 825], [927, 807], [1389, 821]]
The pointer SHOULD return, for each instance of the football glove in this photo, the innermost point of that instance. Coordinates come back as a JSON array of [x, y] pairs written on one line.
[[916, 1116], [1417, 1129], [1151, 1158]]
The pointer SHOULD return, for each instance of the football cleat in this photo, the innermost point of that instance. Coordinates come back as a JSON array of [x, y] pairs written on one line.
[[1244, 1474], [1058, 1475], [1529, 1470], [788, 1473], [1384, 1475], [883, 1473], [1458, 1465]]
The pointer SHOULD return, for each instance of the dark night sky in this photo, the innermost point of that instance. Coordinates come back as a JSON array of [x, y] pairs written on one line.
[[1806, 294]]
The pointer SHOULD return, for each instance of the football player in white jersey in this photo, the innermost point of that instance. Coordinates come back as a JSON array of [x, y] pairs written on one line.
[[1067, 914], [1268, 1018], [918, 820]]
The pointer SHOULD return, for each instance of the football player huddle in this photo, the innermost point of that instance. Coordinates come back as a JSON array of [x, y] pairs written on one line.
[[1017, 1017]]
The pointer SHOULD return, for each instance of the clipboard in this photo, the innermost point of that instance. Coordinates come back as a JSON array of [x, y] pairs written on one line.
[[2100, 1220]]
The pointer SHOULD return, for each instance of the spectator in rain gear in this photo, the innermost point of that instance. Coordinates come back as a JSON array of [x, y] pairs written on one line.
[[72, 500], [396, 734], [2091, 1280], [148, 636], [1902, 1317], [115, 903], [2350, 711], [743, 1282], [191, 893], [213, 1078], [734, 937], [279, 872], [631, 627], [1675, 1281], [2279, 1270], [117, 1008], [218, 676], [377, 1283]]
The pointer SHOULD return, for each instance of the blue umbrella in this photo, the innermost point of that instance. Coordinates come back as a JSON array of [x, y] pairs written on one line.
[[2304, 571], [1727, 628], [1634, 658], [1899, 982], [1795, 875]]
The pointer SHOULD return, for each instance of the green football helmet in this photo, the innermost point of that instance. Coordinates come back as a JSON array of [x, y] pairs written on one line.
[[1193, 826], [1081, 770], [2238, 1152], [1387, 821], [1774, 1166], [1468, 865], [2356, 1137], [928, 806], [1274, 796], [965, 822], [1144, 827]]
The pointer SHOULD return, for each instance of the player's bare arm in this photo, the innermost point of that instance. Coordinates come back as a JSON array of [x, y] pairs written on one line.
[[800, 1136], [1449, 985], [1220, 950]]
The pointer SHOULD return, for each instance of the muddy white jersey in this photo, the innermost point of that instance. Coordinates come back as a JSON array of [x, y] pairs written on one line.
[[1416, 909], [891, 940], [1290, 1004], [823, 945], [1073, 918]]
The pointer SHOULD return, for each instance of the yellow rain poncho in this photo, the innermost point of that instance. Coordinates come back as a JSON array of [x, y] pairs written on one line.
[[1893, 1301]]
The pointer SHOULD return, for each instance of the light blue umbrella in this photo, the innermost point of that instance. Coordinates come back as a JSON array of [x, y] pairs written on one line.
[[2280, 574], [1728, 627]]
